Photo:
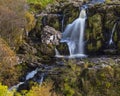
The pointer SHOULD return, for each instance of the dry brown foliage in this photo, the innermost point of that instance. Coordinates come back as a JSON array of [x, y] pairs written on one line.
[[12, 20], [8, 59]]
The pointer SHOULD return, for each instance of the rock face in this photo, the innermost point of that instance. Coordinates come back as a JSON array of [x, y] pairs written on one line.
[[101, 18], [50, 36], [100, 22]]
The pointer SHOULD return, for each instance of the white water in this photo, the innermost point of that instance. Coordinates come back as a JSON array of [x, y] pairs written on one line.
[[56, 52], [111, 37], [31, 74], [74, 36], [16, 86]]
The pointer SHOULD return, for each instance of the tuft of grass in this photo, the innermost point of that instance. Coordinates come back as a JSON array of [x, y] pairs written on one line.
[[42, 3]]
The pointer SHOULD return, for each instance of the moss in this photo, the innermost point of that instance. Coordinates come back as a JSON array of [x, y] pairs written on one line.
[[38, 5], [99, 45], [68, 91], [94, 32], [108, 1], [90, 47], [115, 36], [112, 2], [30, 21], [87, 34], [56, 25], [118, 45]]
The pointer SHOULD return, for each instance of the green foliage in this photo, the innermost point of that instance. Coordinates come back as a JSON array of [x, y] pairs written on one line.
[[43, 3], [68, 79], [94, 32], [30, 21], [80, 79], [37, 5], [4, 91], [43, 90]]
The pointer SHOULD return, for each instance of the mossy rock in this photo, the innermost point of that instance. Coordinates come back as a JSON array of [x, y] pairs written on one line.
[[30, 21], [63, 49], [94, 33]]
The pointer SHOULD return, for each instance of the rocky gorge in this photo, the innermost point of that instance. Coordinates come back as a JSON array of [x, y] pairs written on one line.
[[98, 74]]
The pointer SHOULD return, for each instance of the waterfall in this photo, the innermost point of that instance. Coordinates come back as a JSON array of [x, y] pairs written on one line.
[[74, 35], [56, 52], [111, 37]]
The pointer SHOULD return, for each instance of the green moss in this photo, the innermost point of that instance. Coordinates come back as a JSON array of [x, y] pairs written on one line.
[[94, 32], [99, 44], [37, 5], [68, 91], [118, 44], [108, 1], [56, 25], [115, 36], [90, 47], [30, 21], [87, 34]]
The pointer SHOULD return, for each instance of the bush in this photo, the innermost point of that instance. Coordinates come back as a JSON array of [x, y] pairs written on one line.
[[12, 21], [8, 60], [4, 91], [44, 90]]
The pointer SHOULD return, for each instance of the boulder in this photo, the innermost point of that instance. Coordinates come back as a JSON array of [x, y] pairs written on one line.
[[50, 36]]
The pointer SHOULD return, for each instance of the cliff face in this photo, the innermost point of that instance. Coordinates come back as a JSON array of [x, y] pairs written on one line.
[[101, 18], [42, 40]]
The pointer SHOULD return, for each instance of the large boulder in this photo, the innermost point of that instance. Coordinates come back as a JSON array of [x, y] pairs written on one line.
[[50, 36]]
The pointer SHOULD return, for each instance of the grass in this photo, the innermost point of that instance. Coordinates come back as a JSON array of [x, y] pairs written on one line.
[[42, 3]]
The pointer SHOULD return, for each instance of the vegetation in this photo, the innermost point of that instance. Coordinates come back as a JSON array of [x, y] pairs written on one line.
[[43, 90], [4, 91], [37, 5], [20, 40], [12, 17], [83, 80], [8, 61]]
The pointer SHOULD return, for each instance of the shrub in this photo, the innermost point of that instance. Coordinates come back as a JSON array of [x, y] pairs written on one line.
[[44, 90], [12, 21], [4, 91], [8, 60]]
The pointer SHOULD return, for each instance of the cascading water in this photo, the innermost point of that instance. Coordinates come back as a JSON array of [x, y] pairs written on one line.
[[56, 52], [74, 35], [111, 37], [31, 74]]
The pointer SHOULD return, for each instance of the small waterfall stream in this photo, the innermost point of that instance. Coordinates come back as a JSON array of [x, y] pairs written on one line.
[[37, 75], [56, 52], [28, 76], [111, 37]]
